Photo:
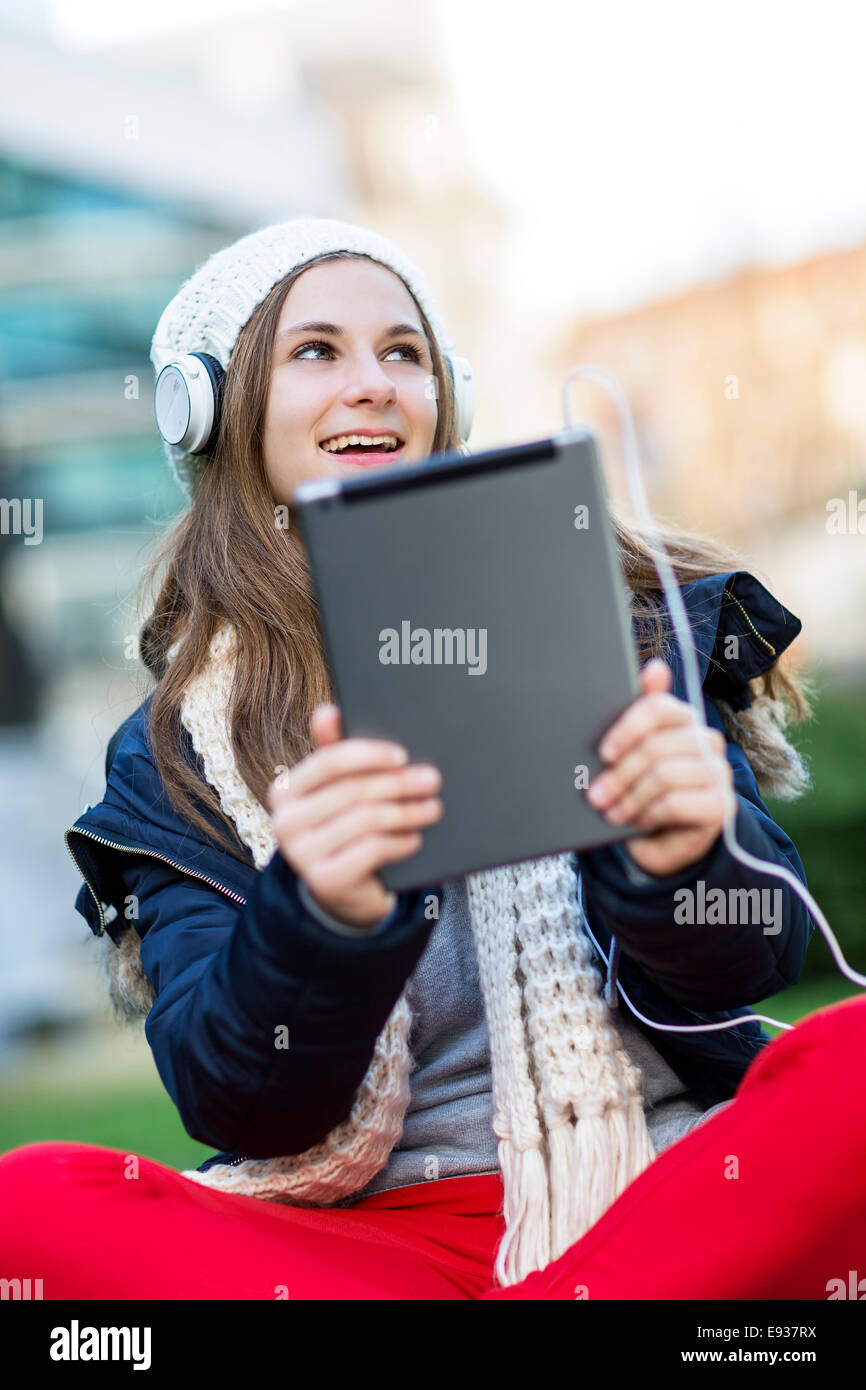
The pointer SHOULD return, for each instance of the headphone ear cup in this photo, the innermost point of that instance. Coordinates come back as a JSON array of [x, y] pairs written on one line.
[[187, 398], [464, 392], [216, 376]]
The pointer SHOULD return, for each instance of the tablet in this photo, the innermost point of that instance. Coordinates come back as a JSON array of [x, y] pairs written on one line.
[[473, 610]]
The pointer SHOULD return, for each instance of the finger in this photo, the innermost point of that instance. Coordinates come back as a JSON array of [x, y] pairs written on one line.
[[659, 779], [678, 740], [354, 865], [306, 812], [359, 822], [342, 757], [687, 808], [655, 710], [326, 725], [656, 675]]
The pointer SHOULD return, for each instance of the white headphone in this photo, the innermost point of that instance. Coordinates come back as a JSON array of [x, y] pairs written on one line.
[[188, 392]]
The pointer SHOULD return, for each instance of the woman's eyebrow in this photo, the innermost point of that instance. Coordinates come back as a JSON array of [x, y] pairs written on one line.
[[397, 330]]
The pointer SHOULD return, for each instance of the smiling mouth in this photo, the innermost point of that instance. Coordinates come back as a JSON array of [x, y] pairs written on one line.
[[364, 454]]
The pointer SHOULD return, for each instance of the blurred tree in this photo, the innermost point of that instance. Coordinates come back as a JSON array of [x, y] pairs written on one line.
[[828, 825]]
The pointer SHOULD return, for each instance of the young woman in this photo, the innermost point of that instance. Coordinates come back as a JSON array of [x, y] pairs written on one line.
[[445, 1093]]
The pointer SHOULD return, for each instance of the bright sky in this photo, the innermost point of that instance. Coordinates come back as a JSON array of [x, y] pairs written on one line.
[[642, 146], [637, 147]]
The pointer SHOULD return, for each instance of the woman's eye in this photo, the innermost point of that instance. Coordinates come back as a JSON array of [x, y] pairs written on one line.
[[406, 347], [414, 354], [312, 347]]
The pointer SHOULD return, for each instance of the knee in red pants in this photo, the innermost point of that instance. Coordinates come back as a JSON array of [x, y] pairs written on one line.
[[30, 1170], [827, 1043]]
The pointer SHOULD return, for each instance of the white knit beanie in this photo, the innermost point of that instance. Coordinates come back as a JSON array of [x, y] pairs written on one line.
[[212, 306]]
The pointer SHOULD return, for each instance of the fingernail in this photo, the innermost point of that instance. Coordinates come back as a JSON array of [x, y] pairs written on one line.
[[608, 749], [598, 793]]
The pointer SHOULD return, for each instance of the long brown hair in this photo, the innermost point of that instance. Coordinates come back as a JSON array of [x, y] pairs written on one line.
[[227, 561]]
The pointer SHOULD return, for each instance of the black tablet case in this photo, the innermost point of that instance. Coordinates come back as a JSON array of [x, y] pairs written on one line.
[[488, 541]]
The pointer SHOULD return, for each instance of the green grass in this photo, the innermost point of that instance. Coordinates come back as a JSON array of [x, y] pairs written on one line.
[[803, 999], [137, 1116], [98, 1085]]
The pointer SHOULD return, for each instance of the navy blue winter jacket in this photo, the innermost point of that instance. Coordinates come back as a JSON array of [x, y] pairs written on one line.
[[232, 952]]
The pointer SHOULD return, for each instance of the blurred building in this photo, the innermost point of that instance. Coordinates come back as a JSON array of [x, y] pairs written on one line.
[[120, 172], [137, 164], [750, 399]]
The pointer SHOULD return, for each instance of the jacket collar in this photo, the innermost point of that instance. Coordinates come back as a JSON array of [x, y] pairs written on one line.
[[739, 629], [136, 817]]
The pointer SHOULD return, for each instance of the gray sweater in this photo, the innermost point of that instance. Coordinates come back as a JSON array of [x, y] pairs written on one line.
[[448, 1130]]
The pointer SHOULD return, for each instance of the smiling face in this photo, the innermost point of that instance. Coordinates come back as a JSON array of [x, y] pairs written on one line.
[[359, 371]]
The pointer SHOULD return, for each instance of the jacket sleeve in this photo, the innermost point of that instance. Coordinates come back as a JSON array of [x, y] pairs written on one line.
[[233, 984], [748, 955]]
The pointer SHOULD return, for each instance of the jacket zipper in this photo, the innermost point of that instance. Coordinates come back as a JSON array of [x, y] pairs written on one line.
[[150, 853], [760, 638]]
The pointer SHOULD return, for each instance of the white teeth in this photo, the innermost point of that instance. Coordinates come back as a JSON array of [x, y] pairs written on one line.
[[343, 440]]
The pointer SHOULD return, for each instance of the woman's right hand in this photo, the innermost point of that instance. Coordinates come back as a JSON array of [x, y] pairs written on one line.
[[346, 809]]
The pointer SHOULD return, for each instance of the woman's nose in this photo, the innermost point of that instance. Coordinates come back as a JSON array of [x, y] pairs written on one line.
[[370, 381]]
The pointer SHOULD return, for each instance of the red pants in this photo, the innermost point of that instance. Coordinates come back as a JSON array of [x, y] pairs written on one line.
[[765, 1200]]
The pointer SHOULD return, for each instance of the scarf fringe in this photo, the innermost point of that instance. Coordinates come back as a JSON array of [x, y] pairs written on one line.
[[525, 1246], [591, 1161], [595, 1158], [564, 1182], [635, 1150]]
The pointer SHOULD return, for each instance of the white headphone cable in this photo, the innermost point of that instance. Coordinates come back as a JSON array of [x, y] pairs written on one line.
[[676, 608]]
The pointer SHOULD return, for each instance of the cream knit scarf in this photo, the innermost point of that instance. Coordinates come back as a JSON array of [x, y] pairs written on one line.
[[567, 1103]]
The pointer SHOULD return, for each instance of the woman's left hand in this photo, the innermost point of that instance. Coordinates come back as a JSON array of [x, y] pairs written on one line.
[[657, 779]]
